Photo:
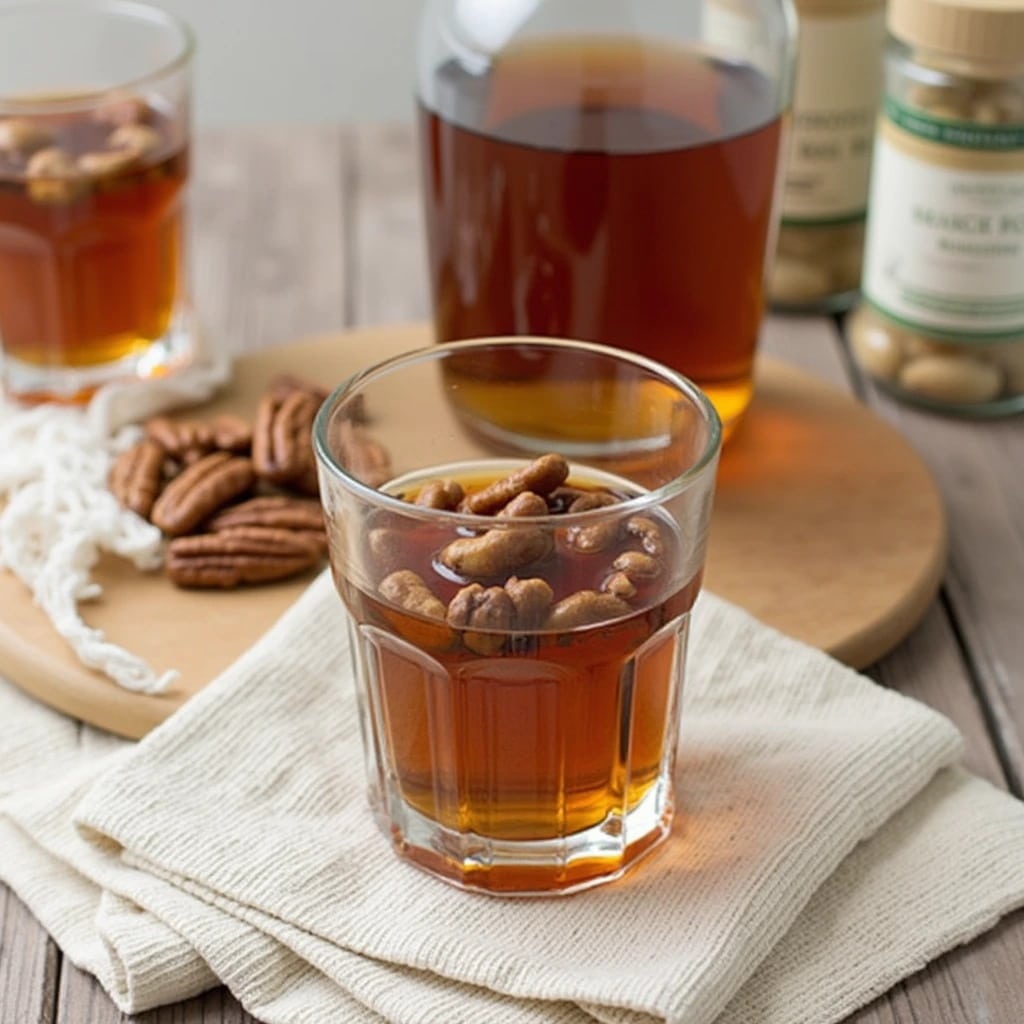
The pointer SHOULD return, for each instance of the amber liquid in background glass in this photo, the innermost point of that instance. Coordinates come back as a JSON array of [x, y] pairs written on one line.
[[95, 278], [610, 191], [552, 735]]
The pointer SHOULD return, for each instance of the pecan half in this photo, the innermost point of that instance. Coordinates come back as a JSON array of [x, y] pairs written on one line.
[[585, 608], [618, 584], [485, 614], [285, 383], [282, 448], [496, 552], [649, 534], [525, 504], [542, 475], [386, 548], [365, 459], [424, 626], [231, 434], [181, 439], [201, 489], [279, 512], [245, 554], [138, 475], [637, 565], [592, 537], [442, 494], [532, 600], [407, 589]]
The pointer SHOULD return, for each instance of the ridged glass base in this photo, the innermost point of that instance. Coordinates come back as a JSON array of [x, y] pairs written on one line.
[[532, 868], [30, 382], [533, 773]]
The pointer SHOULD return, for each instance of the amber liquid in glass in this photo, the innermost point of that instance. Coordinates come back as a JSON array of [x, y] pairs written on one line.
[[610, 191], [553, 734], [91, 273]]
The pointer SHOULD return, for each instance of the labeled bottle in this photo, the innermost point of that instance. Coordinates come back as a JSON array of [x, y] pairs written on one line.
[[838, 88], [942, 322]]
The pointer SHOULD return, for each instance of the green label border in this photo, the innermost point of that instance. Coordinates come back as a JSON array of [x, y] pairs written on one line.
[[958, 134], [963, 335], [823, 222]]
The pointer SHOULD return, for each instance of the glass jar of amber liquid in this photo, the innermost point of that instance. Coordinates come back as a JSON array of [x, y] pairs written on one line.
[[606, 171], [93, 168]]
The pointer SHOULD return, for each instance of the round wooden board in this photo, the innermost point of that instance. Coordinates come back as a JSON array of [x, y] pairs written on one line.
[[826, 526]]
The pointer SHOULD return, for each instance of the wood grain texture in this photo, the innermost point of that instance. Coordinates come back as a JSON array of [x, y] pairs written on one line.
[[980, 983], [268, 216], [29, 964], [797, 491], [978, 469], [388, 251], [367, 266]]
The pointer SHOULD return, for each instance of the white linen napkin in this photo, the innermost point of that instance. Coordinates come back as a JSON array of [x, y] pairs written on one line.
[[824, 849]]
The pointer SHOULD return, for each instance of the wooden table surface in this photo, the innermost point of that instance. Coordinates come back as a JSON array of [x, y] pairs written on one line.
[[299, 230]]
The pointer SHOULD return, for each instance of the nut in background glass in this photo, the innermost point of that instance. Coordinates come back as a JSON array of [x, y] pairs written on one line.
[[518, 620], [94, 155]]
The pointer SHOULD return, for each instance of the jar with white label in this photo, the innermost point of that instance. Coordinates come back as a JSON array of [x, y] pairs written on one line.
[[942, 322], [838, 88]]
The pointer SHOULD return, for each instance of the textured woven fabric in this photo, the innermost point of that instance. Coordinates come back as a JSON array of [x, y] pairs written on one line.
[[824, 848]]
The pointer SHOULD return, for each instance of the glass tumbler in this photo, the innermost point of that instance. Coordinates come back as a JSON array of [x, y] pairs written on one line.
[[518, 603], [94, 134], [607, 171]]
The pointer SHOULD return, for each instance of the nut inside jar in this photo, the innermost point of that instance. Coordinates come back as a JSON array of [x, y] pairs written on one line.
[[817, 263], [526, 683], [936, 371]]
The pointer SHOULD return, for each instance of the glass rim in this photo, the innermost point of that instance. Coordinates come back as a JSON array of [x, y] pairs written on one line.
[[134, 10], [654, 497]]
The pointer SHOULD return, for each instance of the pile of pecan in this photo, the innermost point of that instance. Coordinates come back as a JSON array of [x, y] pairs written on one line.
[[238, 502], [504, 567]]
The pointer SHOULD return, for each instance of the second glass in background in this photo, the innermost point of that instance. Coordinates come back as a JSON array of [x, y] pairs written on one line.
[[606, 171], [94, 141]]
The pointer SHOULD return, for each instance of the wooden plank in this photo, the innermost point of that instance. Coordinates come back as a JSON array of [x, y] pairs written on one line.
[[387, 246], [976, 984], [977, 467], [928, 665], [979, 982], [267, 258], [29, 964], [810, 342], [83, 1001]]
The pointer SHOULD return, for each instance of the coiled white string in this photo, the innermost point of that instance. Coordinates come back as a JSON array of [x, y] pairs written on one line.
[[58, 515]]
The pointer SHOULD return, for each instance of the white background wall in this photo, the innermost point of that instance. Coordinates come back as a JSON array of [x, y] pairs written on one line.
[[301, 60]]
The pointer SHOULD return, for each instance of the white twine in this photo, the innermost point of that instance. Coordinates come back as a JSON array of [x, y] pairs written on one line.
[[59, 515]]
